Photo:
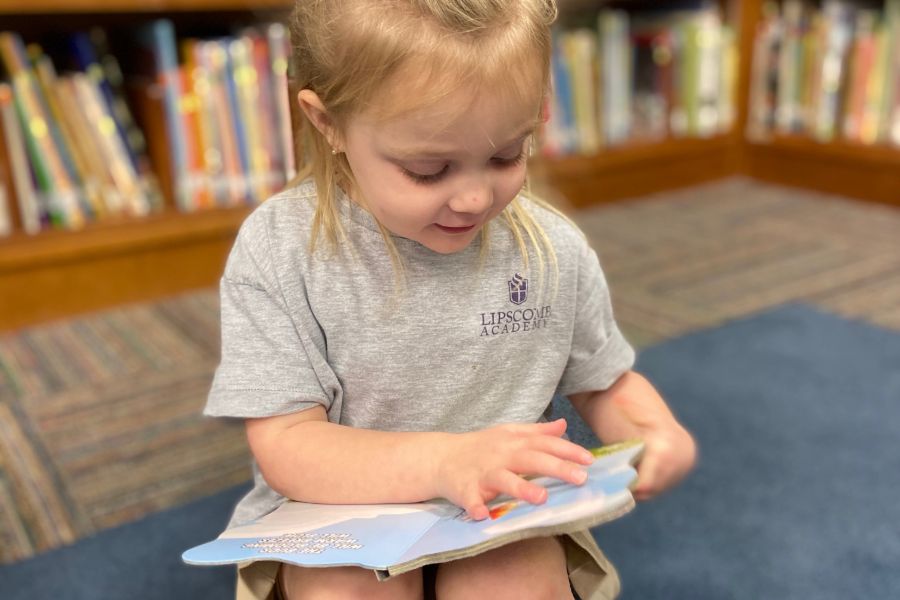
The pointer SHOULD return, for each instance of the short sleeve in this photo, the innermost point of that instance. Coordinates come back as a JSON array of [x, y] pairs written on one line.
[[599, 354], [272, 354]]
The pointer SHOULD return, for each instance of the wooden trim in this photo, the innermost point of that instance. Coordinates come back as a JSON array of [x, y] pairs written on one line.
[[636, 170], [23, 251], [12, 7], [58, 274], [864, 172]]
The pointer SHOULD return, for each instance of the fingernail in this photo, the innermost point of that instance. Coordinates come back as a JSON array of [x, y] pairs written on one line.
[[580, 476]]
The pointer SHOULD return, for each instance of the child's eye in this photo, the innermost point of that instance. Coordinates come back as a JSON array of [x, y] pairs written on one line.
[[425, 178], [501, 161]]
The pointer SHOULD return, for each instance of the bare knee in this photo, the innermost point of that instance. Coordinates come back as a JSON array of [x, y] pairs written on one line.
[[533, 569], [347, 583]]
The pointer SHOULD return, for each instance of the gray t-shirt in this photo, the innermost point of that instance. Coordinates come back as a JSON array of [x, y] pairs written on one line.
[[459, 344]]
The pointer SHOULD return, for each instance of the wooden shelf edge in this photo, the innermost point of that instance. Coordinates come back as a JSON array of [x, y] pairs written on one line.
[[860, 154], [22, 251], [864, 172], [17, 7], [637, 170], [636, 156]]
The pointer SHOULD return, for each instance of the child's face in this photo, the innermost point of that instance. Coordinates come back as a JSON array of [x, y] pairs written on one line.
[[435, 180]]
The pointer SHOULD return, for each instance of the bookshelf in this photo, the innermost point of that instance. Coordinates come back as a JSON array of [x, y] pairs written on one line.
[[120, 259], [801, 153], [59, 273]]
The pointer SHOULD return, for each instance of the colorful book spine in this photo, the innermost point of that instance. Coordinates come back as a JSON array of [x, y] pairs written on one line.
[[865, 51], [279, 52], [159, 38], [242, 142], [56, 187], [90, 190], [248, 111], [205, 131], [22, 187], [112, 145], [273, 173], [616, 68], [214, 61]]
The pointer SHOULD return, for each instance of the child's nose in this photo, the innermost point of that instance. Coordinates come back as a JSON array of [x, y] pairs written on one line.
[[474, 198]]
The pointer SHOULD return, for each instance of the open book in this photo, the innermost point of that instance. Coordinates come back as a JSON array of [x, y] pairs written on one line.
[[395, 538]]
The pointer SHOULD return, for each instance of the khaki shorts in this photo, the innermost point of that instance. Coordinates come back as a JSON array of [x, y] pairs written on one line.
[[592, 576]]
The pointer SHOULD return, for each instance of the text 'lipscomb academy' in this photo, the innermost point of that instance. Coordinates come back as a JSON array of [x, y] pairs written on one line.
[[514, 321]]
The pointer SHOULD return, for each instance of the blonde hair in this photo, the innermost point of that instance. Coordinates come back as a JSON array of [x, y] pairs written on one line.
[[353, 53]]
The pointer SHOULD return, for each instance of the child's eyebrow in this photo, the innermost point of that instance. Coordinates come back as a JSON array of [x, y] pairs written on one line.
[[521, 137], [426, 152]]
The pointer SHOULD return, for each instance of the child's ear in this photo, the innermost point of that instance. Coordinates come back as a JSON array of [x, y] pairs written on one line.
[[315, 111]]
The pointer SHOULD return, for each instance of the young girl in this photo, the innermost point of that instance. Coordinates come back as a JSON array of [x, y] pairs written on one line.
[[395, 325]]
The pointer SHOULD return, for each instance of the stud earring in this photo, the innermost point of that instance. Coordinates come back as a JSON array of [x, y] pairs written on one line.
[[334, 151]]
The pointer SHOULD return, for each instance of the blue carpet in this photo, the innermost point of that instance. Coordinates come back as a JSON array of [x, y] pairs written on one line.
[[137, 561], [797, 493], [796, 496]]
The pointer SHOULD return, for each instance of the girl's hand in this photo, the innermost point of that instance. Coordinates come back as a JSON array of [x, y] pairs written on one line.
[[669, 450], [474, 468]]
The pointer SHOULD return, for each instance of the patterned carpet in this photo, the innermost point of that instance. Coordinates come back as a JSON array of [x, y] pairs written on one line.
[[99, 416]]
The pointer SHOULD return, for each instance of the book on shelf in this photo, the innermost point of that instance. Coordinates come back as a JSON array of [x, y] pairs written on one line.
[[392, 539], [47, 155], [224, 104], [7, 198], [81, 152], [622, 76], [20, 189], [829, 71]]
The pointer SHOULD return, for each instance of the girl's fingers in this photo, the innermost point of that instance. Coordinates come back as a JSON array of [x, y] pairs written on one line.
[[562, 449], [507, 482], [647, 476], [474, 505], [539, 463], [549, 428], [557, 427]]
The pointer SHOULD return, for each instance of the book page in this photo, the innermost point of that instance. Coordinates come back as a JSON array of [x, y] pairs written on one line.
[[299, 517]]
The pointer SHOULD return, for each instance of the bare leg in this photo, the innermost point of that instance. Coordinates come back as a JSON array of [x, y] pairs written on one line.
[[347, 583], [533, 569]]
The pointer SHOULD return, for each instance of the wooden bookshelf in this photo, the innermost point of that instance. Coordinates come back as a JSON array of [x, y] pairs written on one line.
[[14, 7], [57, 274]]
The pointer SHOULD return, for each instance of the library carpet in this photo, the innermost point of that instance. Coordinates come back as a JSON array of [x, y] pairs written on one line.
[[794, 496], [99, 415]]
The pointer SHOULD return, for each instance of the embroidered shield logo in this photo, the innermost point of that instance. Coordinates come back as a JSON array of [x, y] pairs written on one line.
[[518, 289]]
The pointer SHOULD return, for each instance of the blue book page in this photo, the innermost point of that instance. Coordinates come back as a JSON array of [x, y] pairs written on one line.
[[371, 536]]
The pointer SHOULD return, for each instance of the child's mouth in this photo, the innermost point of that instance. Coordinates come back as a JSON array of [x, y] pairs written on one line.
[[447, 229]]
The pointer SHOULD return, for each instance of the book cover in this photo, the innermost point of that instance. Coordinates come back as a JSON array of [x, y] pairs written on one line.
[[395, 538]]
